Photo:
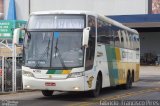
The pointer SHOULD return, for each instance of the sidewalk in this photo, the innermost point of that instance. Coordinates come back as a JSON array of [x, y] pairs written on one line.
[[19, 91], [149, 71]]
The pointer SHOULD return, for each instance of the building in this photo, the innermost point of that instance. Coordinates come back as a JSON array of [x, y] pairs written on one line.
[[142, 15], [105, 7]]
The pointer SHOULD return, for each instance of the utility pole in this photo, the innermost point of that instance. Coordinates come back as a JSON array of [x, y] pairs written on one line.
[[29, 7]]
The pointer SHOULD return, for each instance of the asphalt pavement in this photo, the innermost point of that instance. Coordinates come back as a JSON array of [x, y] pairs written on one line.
[[146, 90]]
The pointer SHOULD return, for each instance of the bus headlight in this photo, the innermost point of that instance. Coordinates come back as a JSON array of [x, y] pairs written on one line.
[[28, 74], [76, 74]]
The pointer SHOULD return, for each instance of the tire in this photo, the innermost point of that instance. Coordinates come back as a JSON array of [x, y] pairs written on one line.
[[132, 77], [96, 91], [47, 93], [128, 84]]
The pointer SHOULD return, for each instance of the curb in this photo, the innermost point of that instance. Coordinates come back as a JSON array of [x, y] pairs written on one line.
[[20, 91]]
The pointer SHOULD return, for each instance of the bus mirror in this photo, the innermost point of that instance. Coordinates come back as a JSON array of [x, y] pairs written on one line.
[[85, 36], [16, 35]]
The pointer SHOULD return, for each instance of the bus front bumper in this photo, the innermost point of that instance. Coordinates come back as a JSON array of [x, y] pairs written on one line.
[[69, 84]]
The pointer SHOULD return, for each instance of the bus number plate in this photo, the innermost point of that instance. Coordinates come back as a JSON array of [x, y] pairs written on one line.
[[50, 84]]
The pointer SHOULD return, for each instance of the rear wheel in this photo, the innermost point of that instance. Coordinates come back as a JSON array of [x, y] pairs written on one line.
[[98, 87], [128, 84], [133, 76], [47, 92]]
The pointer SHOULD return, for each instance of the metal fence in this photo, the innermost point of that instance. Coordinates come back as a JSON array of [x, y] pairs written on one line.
[[6, 74], [1, 74]]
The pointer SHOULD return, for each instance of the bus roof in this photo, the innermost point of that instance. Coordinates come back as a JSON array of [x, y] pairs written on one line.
[[64, 12], [113, 22], [109, 20]]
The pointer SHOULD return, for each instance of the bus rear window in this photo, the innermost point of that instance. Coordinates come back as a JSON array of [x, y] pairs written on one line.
[[56, 22]]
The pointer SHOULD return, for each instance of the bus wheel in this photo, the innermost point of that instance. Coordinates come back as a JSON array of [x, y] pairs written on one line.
[[98, 87], [128, 83], [47, 93]]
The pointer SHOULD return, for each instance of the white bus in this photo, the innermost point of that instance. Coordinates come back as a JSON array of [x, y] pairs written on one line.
[[78, 51]]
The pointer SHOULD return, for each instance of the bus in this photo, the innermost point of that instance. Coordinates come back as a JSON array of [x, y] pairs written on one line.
[[78, 51]]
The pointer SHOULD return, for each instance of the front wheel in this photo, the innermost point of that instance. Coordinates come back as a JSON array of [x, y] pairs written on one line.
[[98, 87], [47, 92]]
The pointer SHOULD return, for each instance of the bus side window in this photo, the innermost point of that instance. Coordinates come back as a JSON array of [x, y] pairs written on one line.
[[134, 42], [111, 35], [90, 52], [119, 35], [91, 24], [127, 40], [124, 43], [116, 39], [130, 39], [100, 31], [104, 34], [121, 39], [137, 43]]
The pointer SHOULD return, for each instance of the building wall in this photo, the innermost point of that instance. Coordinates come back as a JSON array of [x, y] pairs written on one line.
[[150, 42], [22, 7], [105, 7], [1, 9]]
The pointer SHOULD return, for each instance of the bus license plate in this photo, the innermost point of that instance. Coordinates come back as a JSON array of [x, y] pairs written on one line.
[[50, 84]]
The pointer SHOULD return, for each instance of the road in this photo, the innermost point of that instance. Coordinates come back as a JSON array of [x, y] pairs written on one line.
[[147, 88]]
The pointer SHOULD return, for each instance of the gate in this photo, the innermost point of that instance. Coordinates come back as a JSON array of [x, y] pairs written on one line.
[[1, 76], [6, 76]]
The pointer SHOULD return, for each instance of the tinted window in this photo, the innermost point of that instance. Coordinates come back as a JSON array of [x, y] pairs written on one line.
[[104, 32], [90, 52], [56, 22]]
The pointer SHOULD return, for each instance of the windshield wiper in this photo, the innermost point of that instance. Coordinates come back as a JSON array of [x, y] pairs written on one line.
[[59, 54], [48, 48], [46, 52]]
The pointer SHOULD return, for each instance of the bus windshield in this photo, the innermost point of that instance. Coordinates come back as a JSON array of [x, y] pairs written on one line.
[[47, 50], [56, 22]]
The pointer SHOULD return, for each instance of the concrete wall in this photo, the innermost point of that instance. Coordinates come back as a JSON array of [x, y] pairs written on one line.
[[150, 42], [105, 7]]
